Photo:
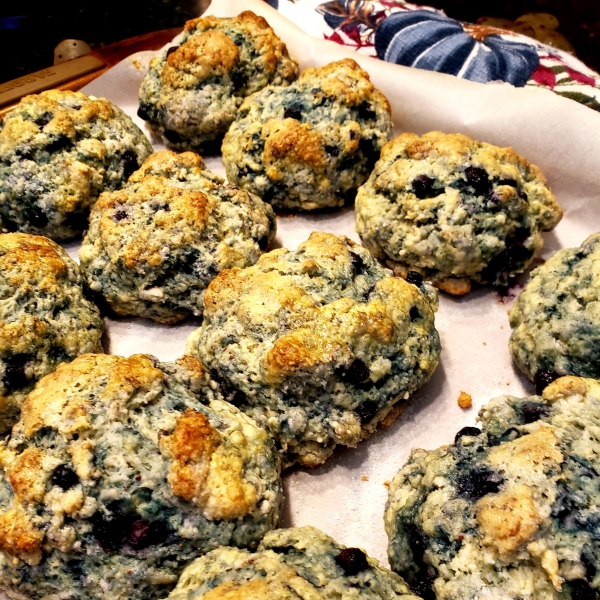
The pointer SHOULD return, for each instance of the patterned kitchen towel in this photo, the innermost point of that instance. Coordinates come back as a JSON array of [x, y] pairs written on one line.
[[425, 38]]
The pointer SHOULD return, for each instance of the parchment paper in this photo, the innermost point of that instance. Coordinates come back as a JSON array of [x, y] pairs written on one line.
[[346, 496]]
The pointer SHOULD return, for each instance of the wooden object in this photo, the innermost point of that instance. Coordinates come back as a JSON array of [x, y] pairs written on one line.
[[76, 73]]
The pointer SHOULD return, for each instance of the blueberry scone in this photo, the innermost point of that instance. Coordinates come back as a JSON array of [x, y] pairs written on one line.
[[508, 511], [454, 210], [290, 564], [556, 318], [154, 246], [123, 470], [45, 319], [318, 344], [311, 144], [58, 151], [193, 90]]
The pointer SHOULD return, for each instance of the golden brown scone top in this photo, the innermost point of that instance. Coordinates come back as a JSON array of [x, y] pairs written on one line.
[[100, 407], [344, 80], [64, 119], [33, 262], [166, 163], [210, 52]]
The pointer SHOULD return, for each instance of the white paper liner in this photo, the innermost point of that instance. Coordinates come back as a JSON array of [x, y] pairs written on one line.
[[346, 496]]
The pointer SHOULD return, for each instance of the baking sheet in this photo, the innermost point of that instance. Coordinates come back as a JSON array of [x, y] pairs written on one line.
[[346, 496]]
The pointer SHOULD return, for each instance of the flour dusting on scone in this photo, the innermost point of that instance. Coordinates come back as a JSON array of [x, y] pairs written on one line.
[[123, 470], [154, 246], [193, 90], [290, 564], [509, 510], [317, 344], [45, 319], [311, 144], [556, 318], [455, 210], [58, 152]]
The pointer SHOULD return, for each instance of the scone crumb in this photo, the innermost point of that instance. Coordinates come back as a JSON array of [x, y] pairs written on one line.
[[465, 400], [364, 478]]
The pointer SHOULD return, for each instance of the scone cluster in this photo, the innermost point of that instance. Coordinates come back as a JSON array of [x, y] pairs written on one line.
[[154, 246], [311, 144], [508, 511], [58, 152], [135, 479], [193, 90], [317, 344], [45, 317], [119, 472], [455, 210]]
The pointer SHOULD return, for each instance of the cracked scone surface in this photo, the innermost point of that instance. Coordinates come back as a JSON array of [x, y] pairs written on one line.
[[301, 563], [154, 246], [58, 152], [44, 317], [317, 344], [311, 144], [120, 472], [193, 90], [455, 210], [509, 511], [556, 318]]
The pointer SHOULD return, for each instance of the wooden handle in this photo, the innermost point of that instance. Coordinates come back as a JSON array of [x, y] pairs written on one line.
[[12, 91]]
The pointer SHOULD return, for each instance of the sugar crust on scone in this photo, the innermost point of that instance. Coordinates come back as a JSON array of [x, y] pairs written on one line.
[[454, 209], [311, 144], [317, 344], [509, 511], [45, 318], [123, 470], [193, 90], [154, 246], [556, 318], [58, 151], [290, 564]]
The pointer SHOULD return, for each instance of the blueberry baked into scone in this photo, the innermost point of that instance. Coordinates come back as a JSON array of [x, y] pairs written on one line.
[[317, 344], [45, 318], [121, 471], [454, 209], [193, 90], [311, 144], [508, 511], [556, 318], [58, 151], [154, 246], [301, 563]]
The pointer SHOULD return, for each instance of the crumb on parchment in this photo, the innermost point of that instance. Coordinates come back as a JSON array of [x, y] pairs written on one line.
[[465, 400]]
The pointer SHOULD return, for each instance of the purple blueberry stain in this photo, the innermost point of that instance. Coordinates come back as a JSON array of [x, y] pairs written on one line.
[[120, 214], [130, 163], [479, 180], [424, 187], [352, 561], [478, 482], [467, 431], [415, 278], [64, 477], [543, 378], [293, 112]]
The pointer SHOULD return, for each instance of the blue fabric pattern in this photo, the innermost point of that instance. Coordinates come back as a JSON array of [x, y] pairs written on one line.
[[429, 40]]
